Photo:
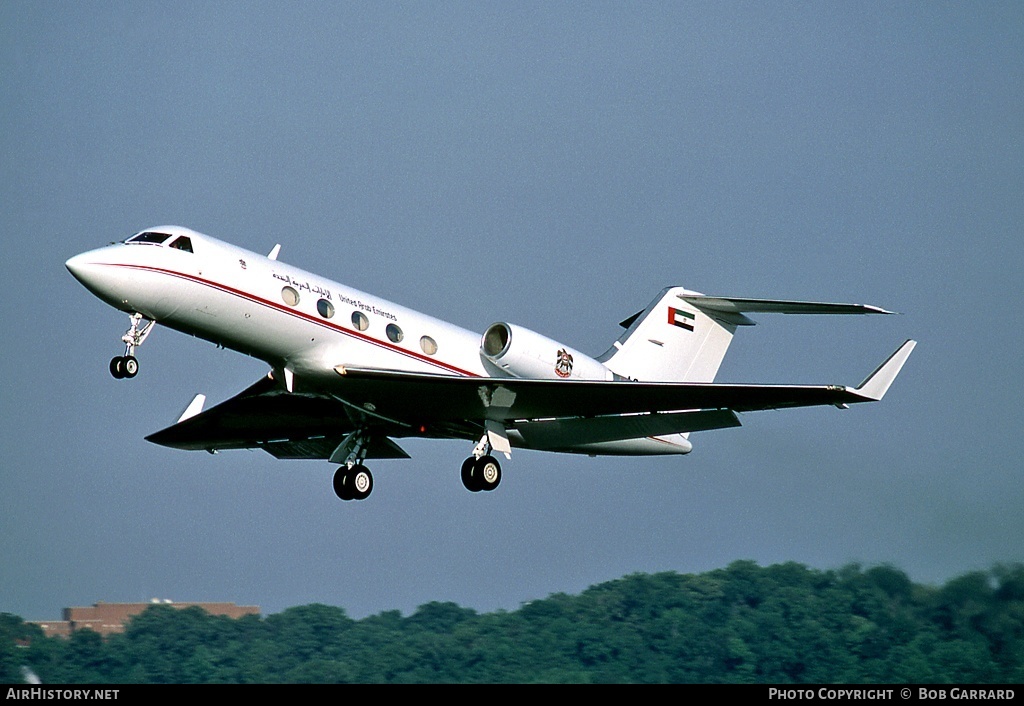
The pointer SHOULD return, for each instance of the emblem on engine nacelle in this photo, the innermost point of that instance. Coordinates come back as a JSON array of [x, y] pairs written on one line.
[[563, 366]]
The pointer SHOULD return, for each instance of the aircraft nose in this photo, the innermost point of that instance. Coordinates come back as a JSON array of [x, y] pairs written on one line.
[[98, 271], [81, 267], [93, 271]]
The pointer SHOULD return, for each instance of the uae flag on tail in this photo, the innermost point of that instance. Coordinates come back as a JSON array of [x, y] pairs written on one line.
[[682, 319]]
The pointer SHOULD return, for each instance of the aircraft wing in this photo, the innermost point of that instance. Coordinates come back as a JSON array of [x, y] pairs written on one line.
[[423, 399], [393, 403], [286, 425]]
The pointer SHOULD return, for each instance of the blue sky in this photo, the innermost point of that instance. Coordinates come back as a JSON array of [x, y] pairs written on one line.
[[553, 165]]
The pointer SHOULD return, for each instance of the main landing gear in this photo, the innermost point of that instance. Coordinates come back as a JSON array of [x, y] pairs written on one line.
[[124, 366], [127, 365], [481, 471], [353, 481]]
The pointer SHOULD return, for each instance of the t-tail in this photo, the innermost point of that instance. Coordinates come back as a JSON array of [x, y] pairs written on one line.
[[682, 336]]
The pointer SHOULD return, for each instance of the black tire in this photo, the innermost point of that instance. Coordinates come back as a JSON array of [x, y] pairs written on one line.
[[487, 473], [342, 487], [469, 479], [117, 367]]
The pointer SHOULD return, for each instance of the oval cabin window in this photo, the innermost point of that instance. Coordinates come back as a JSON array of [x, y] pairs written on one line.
[[325, 308], [290, 296]]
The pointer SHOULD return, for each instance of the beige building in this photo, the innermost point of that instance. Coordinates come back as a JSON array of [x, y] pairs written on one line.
[[109, 618]]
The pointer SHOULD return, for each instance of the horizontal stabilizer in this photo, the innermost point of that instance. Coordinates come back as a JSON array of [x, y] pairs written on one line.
[[736, 307]]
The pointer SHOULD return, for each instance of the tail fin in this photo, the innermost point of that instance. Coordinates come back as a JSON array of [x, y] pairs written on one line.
[[682, 336], [673, 340]]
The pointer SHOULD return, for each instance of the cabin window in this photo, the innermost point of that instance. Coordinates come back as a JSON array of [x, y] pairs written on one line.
[[429, 345], [182, 243], [395, 333], [148, 237], [290, 296], [325, 308], [360, 321]]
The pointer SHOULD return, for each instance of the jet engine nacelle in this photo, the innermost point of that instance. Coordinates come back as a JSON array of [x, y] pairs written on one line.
[[522, 353]]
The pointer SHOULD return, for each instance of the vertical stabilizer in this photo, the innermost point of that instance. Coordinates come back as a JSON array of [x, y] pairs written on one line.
[[673, 340]]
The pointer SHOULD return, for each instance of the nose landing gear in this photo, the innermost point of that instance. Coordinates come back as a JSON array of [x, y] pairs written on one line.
[[127, 365]]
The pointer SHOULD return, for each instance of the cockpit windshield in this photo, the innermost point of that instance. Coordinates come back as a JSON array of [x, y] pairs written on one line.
[[149, 237], [182, 243]]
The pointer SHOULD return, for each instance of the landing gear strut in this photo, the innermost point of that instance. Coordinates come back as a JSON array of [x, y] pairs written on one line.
[[127, 365], [481, 471]]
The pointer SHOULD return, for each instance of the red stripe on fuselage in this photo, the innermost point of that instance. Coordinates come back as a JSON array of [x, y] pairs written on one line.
[[298, 314]]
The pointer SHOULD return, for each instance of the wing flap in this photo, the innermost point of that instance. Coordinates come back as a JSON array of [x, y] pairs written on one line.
[[552, 433], [300, 448], [376, 447]]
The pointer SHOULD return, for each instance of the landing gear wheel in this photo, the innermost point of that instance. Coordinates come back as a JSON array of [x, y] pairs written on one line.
[[129, 366], [487, 472], [354, 483], [482, 473], [341, 486], [361, 481], [468, 478], [117, 367]]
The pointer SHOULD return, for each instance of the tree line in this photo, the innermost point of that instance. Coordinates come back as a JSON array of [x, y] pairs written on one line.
[[785, 623]]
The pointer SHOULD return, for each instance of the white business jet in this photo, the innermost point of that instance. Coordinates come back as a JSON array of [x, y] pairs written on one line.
[[350, 372]]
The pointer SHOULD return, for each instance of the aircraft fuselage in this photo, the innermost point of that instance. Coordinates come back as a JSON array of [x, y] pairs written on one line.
[[270, 310]]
